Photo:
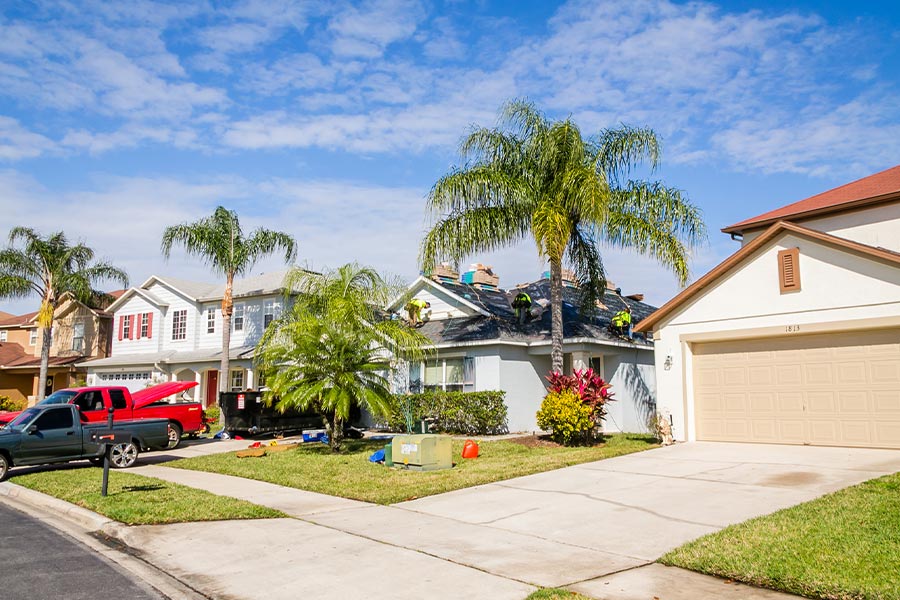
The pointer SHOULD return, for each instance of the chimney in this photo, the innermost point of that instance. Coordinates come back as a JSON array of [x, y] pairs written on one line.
[[481, 276], [443, 273]]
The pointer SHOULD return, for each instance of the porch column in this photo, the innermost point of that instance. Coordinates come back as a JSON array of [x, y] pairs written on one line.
[[581, 361], [250, 379], [198, 377]]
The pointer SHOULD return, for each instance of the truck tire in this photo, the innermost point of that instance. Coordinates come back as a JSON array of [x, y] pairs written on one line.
[[4, 466], [124, 455], [175, 432]]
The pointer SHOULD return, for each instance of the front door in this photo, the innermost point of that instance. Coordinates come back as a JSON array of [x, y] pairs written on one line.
[[48, 386], [212, 387]]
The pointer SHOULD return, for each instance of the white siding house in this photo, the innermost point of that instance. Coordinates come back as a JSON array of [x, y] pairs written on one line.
[[170, 329], [795, 338]]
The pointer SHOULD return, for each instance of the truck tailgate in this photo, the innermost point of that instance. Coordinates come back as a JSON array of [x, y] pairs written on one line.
[[156, 393]]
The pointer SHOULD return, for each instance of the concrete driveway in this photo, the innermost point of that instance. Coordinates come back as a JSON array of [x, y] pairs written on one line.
[[630, 510]]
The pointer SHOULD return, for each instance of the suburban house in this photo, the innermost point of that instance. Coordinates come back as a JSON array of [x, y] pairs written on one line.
[[795, 338], [169, 329], [79, 332], [480, 346]]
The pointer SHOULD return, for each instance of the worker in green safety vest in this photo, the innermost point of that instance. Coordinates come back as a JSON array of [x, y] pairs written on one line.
[[522, 304], [414, 308], [621, 323]]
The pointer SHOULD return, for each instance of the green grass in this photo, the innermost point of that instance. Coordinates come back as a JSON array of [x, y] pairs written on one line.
[[137, 500], [315, 468], [845, 545], [555, 594]]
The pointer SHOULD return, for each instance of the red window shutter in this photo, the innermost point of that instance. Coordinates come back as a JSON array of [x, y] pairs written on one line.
[[137, 326], [131, 329], [121, 326], [150, 325]]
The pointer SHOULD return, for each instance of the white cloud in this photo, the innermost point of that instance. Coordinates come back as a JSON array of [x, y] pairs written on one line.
[[17, 143], [370, 28]]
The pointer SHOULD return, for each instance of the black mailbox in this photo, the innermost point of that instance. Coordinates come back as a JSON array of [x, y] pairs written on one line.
[[110, 436]]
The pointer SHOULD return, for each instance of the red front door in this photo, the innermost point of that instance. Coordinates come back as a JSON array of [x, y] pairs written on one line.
[[212, 387]]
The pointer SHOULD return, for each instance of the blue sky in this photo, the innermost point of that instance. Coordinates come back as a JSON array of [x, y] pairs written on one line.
[[332, 120]]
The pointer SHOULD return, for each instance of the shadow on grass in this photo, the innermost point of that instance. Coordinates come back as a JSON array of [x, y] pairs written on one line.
[[143, 488]]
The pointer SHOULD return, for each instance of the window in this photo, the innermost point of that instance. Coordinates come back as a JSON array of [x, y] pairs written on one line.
[[210, 320], [789, 270], [89, 401], [237, 319], [32, 337], [3, 336], [271, 311], [78, 337], [126, 328], [444, 374], [237, 380], [179, 325], [145, 325], [117, 397], [59, 418], [260, 380]]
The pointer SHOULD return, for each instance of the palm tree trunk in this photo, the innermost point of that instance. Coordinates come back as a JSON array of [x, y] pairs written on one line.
[[227, 310], [556, 330], [47, 337], [336, 435]]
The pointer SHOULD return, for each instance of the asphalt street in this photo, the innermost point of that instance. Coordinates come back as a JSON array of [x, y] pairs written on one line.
[[39, 563]]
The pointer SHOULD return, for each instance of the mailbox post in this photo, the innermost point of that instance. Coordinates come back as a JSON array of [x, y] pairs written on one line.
[[106, 438]]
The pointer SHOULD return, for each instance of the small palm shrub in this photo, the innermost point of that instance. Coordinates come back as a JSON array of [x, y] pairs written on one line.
[[566, 417], [8, 404]]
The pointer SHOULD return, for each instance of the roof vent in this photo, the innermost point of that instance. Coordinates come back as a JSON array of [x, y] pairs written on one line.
[[482, 276]]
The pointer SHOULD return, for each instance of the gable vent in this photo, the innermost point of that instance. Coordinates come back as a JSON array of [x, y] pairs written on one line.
[[789, 270]]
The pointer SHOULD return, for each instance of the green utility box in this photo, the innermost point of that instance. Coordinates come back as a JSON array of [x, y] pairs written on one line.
[[422, 452]]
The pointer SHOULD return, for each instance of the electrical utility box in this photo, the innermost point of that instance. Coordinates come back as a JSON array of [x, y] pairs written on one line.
[[424, 452]]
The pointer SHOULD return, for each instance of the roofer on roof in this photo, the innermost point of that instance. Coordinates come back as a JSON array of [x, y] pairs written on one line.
[[522, 304], [414, 308], [621, 323]]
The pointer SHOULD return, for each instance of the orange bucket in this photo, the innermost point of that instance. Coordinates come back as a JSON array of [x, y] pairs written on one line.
[[470, 449]]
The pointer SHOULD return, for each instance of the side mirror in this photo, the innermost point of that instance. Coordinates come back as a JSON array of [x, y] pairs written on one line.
[[32, 429]]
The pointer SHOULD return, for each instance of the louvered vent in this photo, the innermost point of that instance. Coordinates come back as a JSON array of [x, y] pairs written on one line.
[[789, 270]]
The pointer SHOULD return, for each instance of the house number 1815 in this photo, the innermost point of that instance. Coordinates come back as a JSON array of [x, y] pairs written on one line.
[[792, 328]]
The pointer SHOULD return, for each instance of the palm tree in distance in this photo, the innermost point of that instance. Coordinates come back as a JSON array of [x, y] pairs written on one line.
[[532, 177], [52, 268], [219, 241]]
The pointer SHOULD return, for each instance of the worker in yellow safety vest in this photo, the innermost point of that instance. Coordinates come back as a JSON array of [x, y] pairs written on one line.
[[522, 304], [414, 308], [621, 323]]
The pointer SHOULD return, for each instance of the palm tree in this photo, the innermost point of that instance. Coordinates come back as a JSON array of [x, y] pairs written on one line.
[[52, 268], [219, 241], [333, 349], [532, 177]]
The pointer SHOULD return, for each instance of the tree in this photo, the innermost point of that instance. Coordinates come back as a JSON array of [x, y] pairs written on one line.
[[219, 241], [333, 349], [52, 268], [532, 177]]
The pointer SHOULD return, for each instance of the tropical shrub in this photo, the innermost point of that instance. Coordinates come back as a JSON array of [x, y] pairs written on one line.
[[465, 413], [566, 417], [212, 414], [590, 388], [8, 404]]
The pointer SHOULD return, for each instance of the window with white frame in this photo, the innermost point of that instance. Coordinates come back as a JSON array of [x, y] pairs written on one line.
[[211, 320], [2, 335], [271, 311], [32, 337], [145, 325], [78, 337], [444, 374], [237, 380], [126, 328], [179, 324], [237, 318]]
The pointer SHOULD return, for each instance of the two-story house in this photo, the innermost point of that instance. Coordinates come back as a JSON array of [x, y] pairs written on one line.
[[79, 332], [170, 329], [795, 338]]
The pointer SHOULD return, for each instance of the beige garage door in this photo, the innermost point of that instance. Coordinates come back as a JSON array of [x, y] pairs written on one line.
[[829, 390]]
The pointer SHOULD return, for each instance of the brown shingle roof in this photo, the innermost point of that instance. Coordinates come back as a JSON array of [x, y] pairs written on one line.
[[10, 352], [13, 320], [868, 190]]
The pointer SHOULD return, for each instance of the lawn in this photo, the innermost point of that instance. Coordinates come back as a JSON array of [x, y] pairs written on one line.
[[845, 545], [137, 500], [349, 474], [555, 594]]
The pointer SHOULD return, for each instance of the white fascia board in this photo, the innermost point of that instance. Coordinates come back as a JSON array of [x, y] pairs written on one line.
[[428, 282], [129, 293], [162, 281]]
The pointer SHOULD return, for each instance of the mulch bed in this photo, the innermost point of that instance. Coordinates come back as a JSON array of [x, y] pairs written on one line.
[[543, 441]]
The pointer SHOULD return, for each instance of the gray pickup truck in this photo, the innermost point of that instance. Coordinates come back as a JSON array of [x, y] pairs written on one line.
[[56, 434]]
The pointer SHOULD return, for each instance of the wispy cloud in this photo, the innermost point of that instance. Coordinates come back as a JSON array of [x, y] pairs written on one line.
[[17, 143]]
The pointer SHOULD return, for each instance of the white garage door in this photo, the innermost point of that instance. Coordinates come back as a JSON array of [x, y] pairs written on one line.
[[828, 390]]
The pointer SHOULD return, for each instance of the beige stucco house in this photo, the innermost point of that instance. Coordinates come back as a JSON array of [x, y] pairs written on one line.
[[795, 338]]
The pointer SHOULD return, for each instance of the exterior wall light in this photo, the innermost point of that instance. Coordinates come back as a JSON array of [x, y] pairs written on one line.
[[668, 364]]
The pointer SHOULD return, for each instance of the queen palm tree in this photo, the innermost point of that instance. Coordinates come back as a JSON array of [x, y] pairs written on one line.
[[219, 241], [52, 268], [532, 177], [333, 350]]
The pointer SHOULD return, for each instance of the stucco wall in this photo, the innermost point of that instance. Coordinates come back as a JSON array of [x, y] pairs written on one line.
[[839, 291], [633, 379]]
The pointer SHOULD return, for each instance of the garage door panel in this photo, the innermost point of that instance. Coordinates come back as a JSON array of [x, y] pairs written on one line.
[[836, 389]]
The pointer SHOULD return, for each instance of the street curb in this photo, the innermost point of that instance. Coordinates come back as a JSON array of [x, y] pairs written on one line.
[[77, 515]]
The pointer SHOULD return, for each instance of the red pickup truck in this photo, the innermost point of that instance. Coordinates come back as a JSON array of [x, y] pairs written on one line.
[[94, 402]]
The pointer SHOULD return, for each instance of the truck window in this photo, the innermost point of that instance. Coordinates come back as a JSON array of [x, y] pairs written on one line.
[[57, 418], [117, 397], [60, 397], [87, 401]]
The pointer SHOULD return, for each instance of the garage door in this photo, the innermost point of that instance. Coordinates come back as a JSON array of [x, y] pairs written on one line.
[[828, 390]]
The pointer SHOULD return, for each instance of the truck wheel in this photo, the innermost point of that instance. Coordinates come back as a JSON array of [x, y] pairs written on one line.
[[124, 455], [174, 436], [4, 466]]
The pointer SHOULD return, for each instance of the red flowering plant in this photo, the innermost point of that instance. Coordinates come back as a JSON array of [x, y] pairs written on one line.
[[589, 386]]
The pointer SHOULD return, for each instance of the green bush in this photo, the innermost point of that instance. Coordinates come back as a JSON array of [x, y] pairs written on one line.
[[566, 417], [213, 413], [466, 413], [8, 404]]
